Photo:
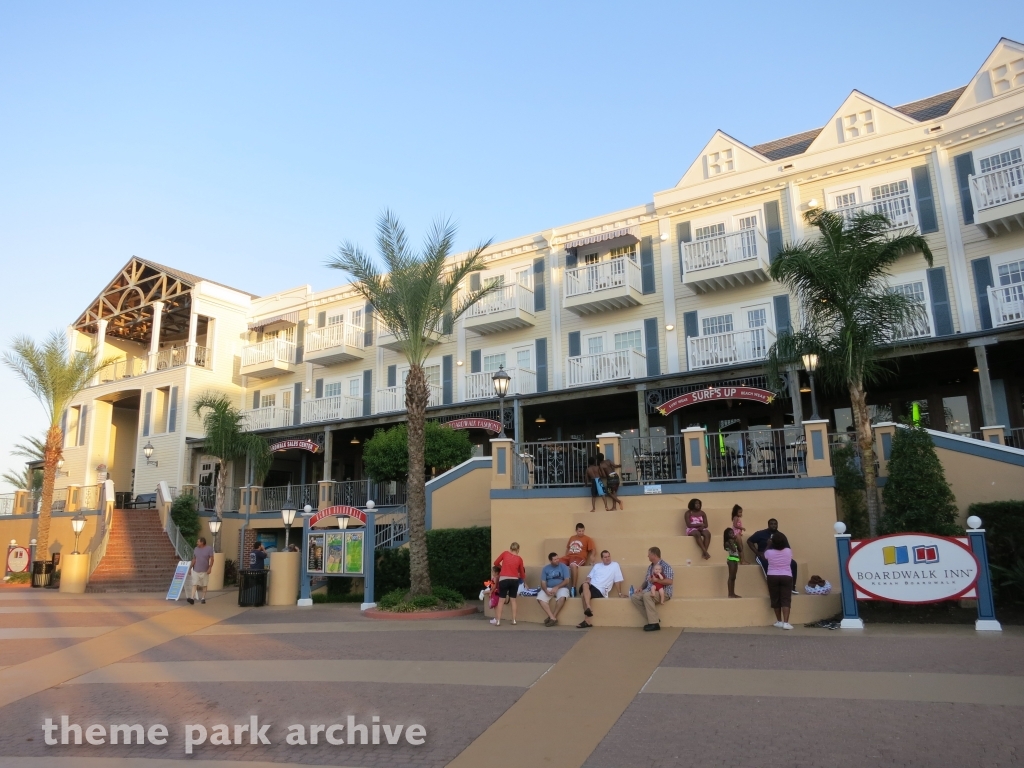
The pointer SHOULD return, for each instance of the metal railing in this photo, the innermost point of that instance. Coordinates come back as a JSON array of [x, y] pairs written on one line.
[[331, 408], [651, 459], [337, 335], [605, 366], [355, 493], [206, 497], [172, 357], [272, 499], [268, 418], [480, 386], [269, 351], [89, 498], [718, 251], [898, 209], [183, 549], [554, 463], [202, 358], [1006, 303], [105, 525], [1004, 185], [729, 348], [123, 369], [60, 500], [6, 504], [779, 452], [591, 278], [393, 398], [392, 529], [514, 296], [1016, 437]]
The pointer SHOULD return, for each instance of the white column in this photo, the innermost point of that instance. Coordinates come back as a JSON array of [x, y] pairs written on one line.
[[556, 363], [154, 340], [101, 341], [668, 287], [795, 220], [459, 374], [190, 348], [939, 161]]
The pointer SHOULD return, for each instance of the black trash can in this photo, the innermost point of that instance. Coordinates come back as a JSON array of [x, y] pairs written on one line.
[[252, 587], [42, 573]]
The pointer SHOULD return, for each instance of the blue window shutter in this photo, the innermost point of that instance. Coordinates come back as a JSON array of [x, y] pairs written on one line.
[[690, 324], [474, 281], [942, 313], [574, 344], [172, 411], [651, 345], [446, 379], [392, 375], [300, 338], [318, 389], [367, 392], [683, 236], [570, 259], [982, 282], [540, 299], [964, 165], [255, 399], [542, 365], [297, 405], [783, 323], [475, 361], [367, 328], [146, 414], [321, 319], [82, 416], [647, 265], [773, 228], [927, 221]]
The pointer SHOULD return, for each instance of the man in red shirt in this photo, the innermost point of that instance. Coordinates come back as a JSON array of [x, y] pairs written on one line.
[[579, 550]]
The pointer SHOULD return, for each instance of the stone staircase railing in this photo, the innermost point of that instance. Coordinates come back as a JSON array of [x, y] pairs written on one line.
[[106, 508]]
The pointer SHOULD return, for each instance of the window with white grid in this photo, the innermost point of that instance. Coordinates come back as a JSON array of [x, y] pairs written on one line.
[[629, 340], [268, 401], [913, 291], [1001, 160], [285, 334], [748, 222], [595, 345], [706, 233], [1012, 273], [355, 317], [711, 326], [524, 359], [757, 318], [846, 199], [332, 389], [493, 362], [626, 250], [354, 386], [337, 319], [591, 258], [858, 124], [286, 399], [884, 191], [433, 374]]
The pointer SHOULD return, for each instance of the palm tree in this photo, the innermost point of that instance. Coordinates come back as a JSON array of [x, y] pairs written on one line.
[[850, 315], [418, 293], [55, 376], [227, 441], [30, 480], [33, 449]]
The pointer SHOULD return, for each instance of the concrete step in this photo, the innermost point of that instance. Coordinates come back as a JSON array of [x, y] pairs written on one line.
[[675, 549]]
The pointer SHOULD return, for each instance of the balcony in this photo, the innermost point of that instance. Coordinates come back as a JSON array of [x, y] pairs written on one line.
[[387, 339], [725, 261], [608, 285], [620, 365], [504, 309], [998, 198], [122, 369], [1006, 303], [340, 343], [391, 399], [264, 359], [899, 210], [333, 408], [729, 348], [174, 357], [480, 386], [271, 417]]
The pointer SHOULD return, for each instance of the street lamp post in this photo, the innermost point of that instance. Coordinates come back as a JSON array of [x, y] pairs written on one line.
[[811, 365], [288, 515], [215, 531], [147, 451], [501, 381], [77, 525]]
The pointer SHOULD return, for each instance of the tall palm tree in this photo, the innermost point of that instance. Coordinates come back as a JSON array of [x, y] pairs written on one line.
[[417, 294], [227, 441], [850, 314], [55, 376]]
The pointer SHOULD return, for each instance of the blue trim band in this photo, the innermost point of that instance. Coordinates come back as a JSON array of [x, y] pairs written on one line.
[[718, 486], [979, 448], [453, 474]]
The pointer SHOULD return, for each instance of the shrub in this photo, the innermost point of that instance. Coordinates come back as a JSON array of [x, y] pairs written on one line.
[[916, 495], [391, 572], [850, 490], [20, 578], [1003, 522], [230, 572], [386, 454], [460, 558], [391, 599], [424, 601], [448, 597], [186, 517]]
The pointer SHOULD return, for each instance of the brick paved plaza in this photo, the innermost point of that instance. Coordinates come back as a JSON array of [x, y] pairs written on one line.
[[515, 695]]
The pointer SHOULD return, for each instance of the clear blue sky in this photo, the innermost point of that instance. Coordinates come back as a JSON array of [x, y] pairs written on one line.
[[244, 141]]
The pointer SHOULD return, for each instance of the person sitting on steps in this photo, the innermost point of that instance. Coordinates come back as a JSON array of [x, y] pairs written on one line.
[[599, 583], [696, 522]]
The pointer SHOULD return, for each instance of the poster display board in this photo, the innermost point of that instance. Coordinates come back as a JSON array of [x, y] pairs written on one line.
[[354, 552], [343, 553], [913, 568], [315, 553], [179, 579]]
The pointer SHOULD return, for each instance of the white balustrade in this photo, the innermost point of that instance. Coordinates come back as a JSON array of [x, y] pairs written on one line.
[[605, 366], [480, 386], [591, 278], [268, 418], [898, 209], [1005, 185], [730, 348], [732, 248], [271, 350], [331, 408], [391, 399], [1006, 303], [514, 296], [331, 336]]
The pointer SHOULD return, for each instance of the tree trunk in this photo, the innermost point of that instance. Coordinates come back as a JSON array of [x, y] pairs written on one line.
[[416, 397], [866, 444], [220, 492], [51, 455]]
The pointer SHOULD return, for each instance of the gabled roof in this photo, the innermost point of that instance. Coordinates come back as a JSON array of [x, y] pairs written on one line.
[[796, 144], [1001, 72]]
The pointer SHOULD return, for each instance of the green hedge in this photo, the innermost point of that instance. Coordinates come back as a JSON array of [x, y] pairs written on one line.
[[459, 559], [1003, 522], [185, 515]]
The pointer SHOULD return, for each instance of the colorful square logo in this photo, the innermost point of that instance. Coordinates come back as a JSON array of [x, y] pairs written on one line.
[[895, 555], [926, 553]]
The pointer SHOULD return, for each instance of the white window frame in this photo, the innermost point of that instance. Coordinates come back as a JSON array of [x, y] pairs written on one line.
[[918, 276], [331, 384]]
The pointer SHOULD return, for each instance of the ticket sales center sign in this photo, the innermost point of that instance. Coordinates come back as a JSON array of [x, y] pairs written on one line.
[[913, 568]]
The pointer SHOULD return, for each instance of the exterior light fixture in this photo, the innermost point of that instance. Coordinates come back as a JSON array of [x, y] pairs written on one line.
[[288, 515], [215, 524], [307, 511], [77, 525], [811, 365], [670, 327], [540, 419], [343, 522], [458, 363], [147, 451], [501, 380], [354, 440], [974, 369], [60, 466], [664, 236]]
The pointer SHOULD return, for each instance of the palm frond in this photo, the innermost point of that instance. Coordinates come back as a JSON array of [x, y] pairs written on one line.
[[33, 449]]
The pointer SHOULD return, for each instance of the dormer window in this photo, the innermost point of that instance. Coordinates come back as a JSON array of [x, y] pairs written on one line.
[[1006, 77], [858, 124], [720, 162]]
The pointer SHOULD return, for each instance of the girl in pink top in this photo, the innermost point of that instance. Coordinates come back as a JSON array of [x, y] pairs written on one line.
[[512, 571], [780, 578], [737, 528]]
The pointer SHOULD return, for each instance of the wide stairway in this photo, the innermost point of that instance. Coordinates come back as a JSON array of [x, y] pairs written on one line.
[[139, 556]]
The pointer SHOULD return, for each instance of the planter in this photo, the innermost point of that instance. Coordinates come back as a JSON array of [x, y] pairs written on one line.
[[74, 574], [42, 573], [419, 615]]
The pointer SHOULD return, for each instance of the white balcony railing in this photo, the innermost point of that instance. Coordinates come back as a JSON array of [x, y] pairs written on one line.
[[270, 351], [899, 210], [332, 336], [919, 327], [391, 399], [202, 357], [268, 418], [605, 366], [1005, 185], [1006, 303], [718, 251], [592, 278], [515, 296], [729, 348], [171, 358], [123, 369], [331, 408], [480, 386]]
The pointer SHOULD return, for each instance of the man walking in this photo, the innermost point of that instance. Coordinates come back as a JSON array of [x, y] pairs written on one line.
[[758, 543], [602, 578], [554, 579], [579, 550], [645, 600], [202, 565]]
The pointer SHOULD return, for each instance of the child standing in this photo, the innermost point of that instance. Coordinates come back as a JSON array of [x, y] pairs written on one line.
[[732, 557], [737, 528], [491, 589]]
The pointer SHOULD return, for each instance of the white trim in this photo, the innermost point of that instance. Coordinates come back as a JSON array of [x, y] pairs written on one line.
[[946, 191]]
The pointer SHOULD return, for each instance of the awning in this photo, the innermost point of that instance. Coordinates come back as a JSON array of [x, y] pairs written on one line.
[[633, 232], [288, 317]]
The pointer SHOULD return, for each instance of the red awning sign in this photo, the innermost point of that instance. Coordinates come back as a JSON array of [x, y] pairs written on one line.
[[302, 445], [338, 511], [489, 424], [716, 393]]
